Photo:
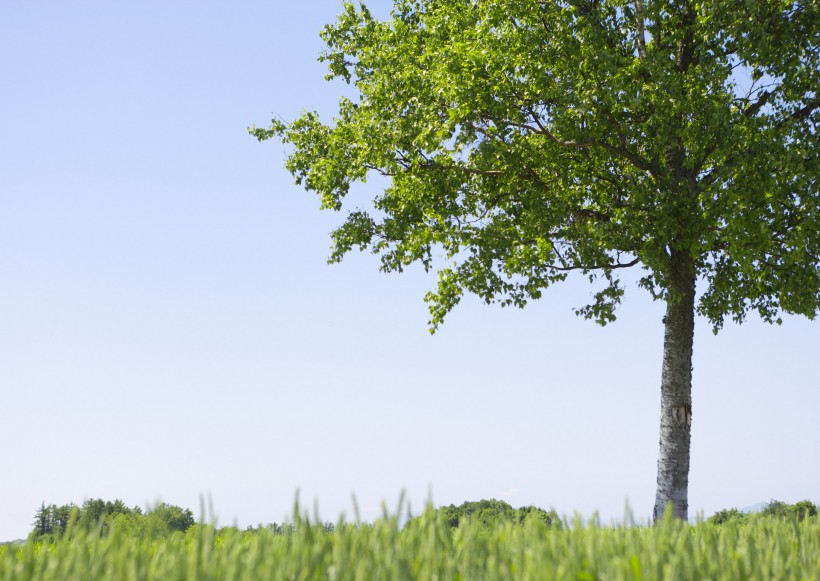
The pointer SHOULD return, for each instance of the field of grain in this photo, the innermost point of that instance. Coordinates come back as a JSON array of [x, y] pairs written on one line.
[[427, 548]]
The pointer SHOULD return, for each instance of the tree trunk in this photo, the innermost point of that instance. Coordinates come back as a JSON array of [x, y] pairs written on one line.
[[676, 389]]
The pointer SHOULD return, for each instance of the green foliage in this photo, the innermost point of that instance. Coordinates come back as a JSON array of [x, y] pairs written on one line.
[[526, 140], [52, 521], [799, 511], [774, 509], [764, 549], [42, 521], [490, 512], [131, 525], [276, 528], [170, 517], [96, 511], [804, 509], [101, 517], [727, 515]]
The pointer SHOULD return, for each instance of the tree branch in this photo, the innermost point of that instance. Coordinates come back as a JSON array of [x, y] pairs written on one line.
[[804, 112], [798, 115], [623, 152], [408, 166], [615, 266], [757, 105], [640, 35]]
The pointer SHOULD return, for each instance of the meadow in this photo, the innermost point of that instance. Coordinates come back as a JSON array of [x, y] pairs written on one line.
[[428, 548]]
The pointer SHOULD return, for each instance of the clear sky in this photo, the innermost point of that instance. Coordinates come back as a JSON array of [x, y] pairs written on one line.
[[169, 328]]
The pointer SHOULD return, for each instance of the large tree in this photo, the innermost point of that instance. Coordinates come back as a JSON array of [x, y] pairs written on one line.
[[526, 139]]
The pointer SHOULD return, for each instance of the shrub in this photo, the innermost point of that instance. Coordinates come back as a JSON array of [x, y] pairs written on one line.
[[489, 512], [775, 509], [726, 515]]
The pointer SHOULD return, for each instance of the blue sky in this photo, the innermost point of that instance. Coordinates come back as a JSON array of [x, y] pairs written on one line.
[[169, 328]]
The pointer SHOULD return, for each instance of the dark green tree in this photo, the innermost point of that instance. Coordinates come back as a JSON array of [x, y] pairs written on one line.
[[43, 521], [526, 140], [174, 517], [51, 521], [727, 515], [804, 509], [63, 515]]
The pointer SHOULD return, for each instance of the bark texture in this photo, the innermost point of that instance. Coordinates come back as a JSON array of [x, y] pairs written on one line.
[[676, 390]]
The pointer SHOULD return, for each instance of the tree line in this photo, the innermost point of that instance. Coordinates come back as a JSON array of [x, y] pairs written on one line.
[[52, 521], [775, 509]]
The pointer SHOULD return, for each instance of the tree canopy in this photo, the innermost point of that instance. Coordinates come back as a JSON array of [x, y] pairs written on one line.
[[528, 139]]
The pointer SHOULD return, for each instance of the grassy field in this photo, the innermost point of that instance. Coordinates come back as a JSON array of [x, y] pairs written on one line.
[[427, 548]]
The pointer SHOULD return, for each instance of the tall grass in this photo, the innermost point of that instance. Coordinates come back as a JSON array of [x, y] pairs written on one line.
[[427, 548]]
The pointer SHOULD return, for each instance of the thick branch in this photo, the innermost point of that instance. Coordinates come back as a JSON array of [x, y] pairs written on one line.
[[757, 105], [804, 112], [566, 267], [589, 213], [586, 267]]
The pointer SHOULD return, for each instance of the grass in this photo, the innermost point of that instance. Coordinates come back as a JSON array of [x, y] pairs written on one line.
[[427, 548]]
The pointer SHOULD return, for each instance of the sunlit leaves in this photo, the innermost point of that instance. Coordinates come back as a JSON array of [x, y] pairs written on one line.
[[526, 140]]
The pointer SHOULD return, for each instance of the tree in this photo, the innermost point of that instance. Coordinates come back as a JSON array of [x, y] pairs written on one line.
[[96, 511], [799, 511], [43, 521], [51, 521], [776, 508], [130, 524], [728, 515], [530, 139], [804, 509], [174, 518]]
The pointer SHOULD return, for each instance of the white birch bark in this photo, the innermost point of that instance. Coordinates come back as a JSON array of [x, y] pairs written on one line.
[[676, 391]]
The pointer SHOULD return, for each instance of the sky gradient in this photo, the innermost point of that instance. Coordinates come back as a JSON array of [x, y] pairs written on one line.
[[170, 330]]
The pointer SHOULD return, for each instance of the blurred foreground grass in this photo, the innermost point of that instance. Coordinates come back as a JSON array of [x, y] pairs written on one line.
[[427, 548]]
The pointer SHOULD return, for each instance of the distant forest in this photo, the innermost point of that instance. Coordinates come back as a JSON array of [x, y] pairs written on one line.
[[52, 521]]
